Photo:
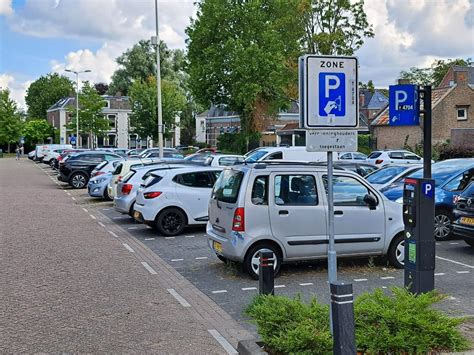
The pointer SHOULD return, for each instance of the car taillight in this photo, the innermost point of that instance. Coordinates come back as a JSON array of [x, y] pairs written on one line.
[[238, 223], [149, 195], [119, 179], [379, 161], [127, 188], [59, 158]]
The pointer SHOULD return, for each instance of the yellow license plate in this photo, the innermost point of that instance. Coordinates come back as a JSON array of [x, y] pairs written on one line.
[[136, 214], [467, 220], [217, 246]]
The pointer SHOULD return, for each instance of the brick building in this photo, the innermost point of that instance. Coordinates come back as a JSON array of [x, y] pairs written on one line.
[[452, 115]]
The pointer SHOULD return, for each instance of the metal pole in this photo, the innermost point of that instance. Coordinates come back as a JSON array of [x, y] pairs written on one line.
[[427, 132], [332, 258], [77, 109], [158, 86]]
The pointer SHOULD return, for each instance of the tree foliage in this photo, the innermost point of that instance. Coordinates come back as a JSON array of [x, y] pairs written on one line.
[[46, 91], [36, 131], [91, 118], [10, 119], [143, 96], [101, 88], [434, 74], [335, 27]]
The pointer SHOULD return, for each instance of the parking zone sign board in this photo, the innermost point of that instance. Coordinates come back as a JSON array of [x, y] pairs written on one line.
[[328, 92], [331, 140], [404, 105]]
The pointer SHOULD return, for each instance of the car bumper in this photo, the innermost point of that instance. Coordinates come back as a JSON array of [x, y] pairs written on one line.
[[464, 231], [62, 177], [143, 215], [123, 203], [96, 190], [230, 247]]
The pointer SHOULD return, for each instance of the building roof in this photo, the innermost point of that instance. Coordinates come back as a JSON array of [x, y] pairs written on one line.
[[373, 100], [61, 103], [470, 72], [70, 101]]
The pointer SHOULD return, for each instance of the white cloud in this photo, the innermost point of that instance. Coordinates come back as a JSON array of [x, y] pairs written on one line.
[[17, 88], [6, 7]]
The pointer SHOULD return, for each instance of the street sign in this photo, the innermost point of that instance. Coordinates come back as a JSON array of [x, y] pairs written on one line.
[[73, 140], [328, 92], [331, 140], [22, 140], [404, 106]]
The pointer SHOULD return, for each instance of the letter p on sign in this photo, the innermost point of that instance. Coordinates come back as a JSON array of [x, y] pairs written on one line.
[[400, 98], [428, 189]]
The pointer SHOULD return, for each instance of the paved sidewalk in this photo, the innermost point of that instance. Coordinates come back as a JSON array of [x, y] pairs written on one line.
[[72, 282]]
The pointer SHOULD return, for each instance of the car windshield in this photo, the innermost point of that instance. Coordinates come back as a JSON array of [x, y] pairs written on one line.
[[255, 156], [227, 186], [442, 171], [384, 175]]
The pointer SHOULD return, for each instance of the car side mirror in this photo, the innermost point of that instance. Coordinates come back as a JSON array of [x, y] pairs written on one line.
[[371, 201]]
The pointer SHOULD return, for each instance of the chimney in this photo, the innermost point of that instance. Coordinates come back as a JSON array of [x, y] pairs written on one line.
[[403, 81], [460, 77], [361, 99]]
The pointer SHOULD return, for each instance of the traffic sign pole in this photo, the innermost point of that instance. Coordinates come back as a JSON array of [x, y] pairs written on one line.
[[426, 91], [332, 256]]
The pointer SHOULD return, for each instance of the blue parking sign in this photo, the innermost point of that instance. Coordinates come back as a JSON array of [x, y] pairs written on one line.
[[404, 106], [332, 94]]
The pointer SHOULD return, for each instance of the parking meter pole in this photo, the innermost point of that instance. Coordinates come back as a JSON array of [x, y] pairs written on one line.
[[342, 309], [426, 131], [332, 258], [266, 275]]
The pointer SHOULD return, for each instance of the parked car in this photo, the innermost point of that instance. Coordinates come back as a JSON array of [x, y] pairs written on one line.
[[64, 155], [283, 208], [105, 167], [127, 188], [198, 157], [77, 168], [463, 225], [285, 153], [390, 174], [383, 157], [31, 155], [135, 151], [166, 154], [358, 167], [97, 186], [223, 159], [152, 150], [43, 149], [357, 156], [172, 199], [451, 178], [52, 154]]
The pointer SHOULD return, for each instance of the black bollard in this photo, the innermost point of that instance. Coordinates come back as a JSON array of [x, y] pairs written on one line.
[[265, 274], [342, 308]]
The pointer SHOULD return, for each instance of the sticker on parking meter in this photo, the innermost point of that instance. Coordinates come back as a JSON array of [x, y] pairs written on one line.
[[412, 252]]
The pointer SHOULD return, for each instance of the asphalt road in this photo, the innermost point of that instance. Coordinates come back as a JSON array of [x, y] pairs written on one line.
[[233, 289]]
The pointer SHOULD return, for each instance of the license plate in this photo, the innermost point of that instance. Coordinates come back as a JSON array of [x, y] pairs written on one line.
[[217, 246], [467, 220], [136, 215]]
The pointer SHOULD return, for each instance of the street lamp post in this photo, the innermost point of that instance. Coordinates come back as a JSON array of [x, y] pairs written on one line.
[[77, 100], [158, 86]]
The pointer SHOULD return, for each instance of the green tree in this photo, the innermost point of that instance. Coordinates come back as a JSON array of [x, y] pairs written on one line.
[[91, 118], [10, 120], [46, 91], [144, 108], [243, 54], [335, 27], [417, 76], [370, 86], [36, 131]]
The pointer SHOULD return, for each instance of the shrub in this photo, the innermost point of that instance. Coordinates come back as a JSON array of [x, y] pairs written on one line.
[[396, 323], [237, 142], [447, 151]]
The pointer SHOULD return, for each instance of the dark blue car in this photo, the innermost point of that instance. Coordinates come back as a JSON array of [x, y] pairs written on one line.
[[451, 178]]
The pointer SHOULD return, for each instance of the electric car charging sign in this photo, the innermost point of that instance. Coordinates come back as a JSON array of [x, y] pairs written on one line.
[[328, 92]]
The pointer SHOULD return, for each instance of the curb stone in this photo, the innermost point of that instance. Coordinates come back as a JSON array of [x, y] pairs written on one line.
[[250, 347]]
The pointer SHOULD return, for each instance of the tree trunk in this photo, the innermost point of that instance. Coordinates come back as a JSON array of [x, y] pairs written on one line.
[[8, 151]]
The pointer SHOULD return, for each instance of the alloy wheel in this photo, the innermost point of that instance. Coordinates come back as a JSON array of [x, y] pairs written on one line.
[[442, 226], [400, 252], [172, 222], [255, 263], [78, 181]]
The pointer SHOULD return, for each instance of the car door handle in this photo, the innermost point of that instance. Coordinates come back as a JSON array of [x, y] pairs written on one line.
[[339, 213], [283, 212]]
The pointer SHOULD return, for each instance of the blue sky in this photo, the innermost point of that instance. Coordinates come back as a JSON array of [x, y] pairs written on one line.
[[42, 36]]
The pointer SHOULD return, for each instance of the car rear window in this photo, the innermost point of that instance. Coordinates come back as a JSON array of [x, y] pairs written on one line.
[[226, 189], [384, 175], [152, 180], [128, 176], [101, 165], [118, 169], [374, 155]]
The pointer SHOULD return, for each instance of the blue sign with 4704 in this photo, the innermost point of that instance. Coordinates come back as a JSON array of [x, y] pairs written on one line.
[[404, 107]]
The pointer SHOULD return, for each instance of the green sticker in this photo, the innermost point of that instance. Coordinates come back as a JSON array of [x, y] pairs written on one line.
[[412, 252]]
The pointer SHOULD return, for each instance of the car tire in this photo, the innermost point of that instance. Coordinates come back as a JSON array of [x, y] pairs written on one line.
[[171, 221], [51, 163], [469, 242], [251, 261], [130, 211], [106, 195], [396, 252], [442, 223], [78, 180]]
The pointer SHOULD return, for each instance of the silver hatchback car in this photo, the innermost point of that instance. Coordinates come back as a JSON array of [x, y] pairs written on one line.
[[282, 206]]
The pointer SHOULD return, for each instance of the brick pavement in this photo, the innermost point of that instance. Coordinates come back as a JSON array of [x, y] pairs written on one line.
[[68, 284]]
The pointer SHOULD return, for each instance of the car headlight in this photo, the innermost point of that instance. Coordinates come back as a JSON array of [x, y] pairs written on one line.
[[399, 200], [98, 181]]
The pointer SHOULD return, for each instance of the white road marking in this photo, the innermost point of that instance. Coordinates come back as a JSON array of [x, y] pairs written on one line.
[[105, 209], [384, 286], [128, 247], [454, 243], [279, 286], [438, 243], [177, 259], [132, 227], [120, 217], [201, 257], [248, 288], [221, 340], [220, 291], [73, 198], [462, 272], [387, 278], [67, 193], [149, 268], [439, 274], [149, 238], [92, 216], [169, 237], [85, 210], [189, 236], [101, 224], [115, 235], [360, 280], [178, 297], [455, 262], [307, 284]]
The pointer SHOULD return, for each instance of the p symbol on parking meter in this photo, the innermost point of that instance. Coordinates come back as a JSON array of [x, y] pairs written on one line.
[[332, 99]]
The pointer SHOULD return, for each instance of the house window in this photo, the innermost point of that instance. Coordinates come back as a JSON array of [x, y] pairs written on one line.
[[111, 119], [107, 103], [462, 113]]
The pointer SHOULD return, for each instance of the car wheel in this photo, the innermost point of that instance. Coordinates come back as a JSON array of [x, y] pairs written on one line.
[[442, 225], [78, 180], [396, 252], [106, 195], [51, 164], [171, 221], [469, 242], [252, 259], [130, 212]]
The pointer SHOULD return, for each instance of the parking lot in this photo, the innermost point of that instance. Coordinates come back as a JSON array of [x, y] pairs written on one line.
[[233, 289]]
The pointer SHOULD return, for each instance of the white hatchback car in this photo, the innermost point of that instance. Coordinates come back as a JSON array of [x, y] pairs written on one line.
[[383, 157], [283, 207], [169, 200], [223, 159]]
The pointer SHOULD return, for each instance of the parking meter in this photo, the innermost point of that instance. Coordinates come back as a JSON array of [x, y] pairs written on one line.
[[418, 217]]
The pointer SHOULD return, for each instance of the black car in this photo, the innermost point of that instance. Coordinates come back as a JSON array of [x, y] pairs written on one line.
[[463, 225], [77, 169]]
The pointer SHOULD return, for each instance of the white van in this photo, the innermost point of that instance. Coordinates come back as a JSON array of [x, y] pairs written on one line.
[[44, 149], [285, 153]]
